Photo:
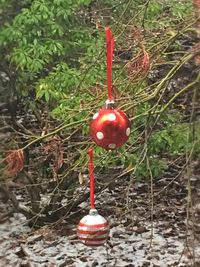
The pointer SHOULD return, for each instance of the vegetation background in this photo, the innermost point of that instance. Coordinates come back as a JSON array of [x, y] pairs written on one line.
[[53, 79]]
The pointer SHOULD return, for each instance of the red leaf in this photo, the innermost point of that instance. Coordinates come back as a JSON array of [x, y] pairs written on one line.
[[15, 161], [139, 66]]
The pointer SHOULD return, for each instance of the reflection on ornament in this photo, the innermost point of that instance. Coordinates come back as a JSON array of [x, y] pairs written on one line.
[[110, 129]]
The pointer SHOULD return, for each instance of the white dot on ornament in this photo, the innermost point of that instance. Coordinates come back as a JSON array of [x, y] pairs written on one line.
[[128, 131], [95, 115], [111, 117], [100, 135], [112, 146]]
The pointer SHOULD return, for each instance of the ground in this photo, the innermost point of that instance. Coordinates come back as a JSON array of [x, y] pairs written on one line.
[[135, 240]]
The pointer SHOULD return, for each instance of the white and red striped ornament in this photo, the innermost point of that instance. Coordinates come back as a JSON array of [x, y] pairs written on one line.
[[93, 229], [110, 127]]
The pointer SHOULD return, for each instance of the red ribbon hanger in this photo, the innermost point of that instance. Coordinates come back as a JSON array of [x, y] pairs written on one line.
[[109, 49], [91, 174]]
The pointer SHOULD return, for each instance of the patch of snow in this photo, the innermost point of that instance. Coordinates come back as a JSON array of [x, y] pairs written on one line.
[[125, 248]]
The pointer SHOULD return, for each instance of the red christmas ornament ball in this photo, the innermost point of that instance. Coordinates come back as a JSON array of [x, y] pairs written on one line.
[[93, 229], [110, 128]]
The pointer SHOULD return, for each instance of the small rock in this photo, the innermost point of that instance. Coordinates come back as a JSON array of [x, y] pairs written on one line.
[[153, 256], [95, 263], [146, 264]]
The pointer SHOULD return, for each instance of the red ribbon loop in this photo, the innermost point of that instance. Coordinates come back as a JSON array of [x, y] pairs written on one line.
[[91, 174], [109, 49]]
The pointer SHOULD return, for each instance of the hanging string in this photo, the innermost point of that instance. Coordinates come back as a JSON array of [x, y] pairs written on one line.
[[109, 49], [91, 174]]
